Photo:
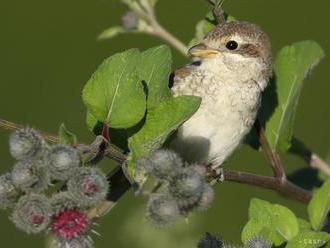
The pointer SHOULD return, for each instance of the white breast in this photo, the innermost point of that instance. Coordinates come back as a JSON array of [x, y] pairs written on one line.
[[227, 113]]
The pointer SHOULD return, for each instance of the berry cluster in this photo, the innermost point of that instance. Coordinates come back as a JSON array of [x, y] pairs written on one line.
[[211, 241], [183, 188], [38, 205]]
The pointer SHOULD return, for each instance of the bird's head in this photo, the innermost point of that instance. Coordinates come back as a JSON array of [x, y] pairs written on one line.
[[237, 45]]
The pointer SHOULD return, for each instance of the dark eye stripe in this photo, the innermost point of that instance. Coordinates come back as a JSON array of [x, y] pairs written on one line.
[[249, 50]]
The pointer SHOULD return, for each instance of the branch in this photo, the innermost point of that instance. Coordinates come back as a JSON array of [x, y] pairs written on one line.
[[284, 187]]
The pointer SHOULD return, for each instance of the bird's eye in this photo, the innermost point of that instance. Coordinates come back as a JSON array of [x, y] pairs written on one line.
[[232, 45]]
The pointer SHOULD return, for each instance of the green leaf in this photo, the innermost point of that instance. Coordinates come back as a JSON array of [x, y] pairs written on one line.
[[304, 225], [114, 95], [93, 124], [66, 137], [292, 65], [271, 221], [111, 32], [319, 206], [309, 240], [161, 121], [155, 71]]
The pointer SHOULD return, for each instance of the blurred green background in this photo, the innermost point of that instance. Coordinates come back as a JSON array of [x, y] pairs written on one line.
[[48, 50]]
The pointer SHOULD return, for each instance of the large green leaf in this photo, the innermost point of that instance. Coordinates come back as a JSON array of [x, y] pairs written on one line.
[[271, 221], [309, 240], [155, 69], [304, 225], [160, 122], [114, 95], [292, 65], [319, 206]]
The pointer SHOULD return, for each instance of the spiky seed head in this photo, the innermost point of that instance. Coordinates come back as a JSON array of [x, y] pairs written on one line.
[[26, 143], [165, 164], [63, 160], [30, 176], [200, 169], [8, 192], [162, 210], [88, 186], [187, 187], [63, 201], [129, 20], [210, 241], [69, 224], [258, 242], [207, 198], [81, 242], [32, 213]]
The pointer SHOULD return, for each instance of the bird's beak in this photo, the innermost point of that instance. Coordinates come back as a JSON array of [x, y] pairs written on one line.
[[202, 51]]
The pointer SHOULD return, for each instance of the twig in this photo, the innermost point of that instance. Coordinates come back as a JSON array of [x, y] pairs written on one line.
[[13, 126], [274, 158], [160, 32], [154, 28], [314, 160]]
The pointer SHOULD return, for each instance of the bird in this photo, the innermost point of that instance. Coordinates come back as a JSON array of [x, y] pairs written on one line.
[[230, 69]]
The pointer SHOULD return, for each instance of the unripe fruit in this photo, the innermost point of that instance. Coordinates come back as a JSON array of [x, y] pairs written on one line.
[[30, 176], [88, 186], [62, 161], [162, 210], [165, 164], [8, 192], [207, 198], [63, 201], [187, 187], [32, 213], [26, 143], [210, 241]]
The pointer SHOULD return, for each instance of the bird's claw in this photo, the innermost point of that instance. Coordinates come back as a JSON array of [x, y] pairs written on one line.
[[221, 175]]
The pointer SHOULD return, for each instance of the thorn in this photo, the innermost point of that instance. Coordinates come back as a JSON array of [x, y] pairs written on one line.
[[90, 239], [95, 232]]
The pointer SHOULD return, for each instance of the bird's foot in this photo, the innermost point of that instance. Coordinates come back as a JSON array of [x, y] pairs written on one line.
[[220, 174], [216, 174]]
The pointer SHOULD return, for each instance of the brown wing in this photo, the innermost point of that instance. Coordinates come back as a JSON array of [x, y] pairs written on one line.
[[178, 75]]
